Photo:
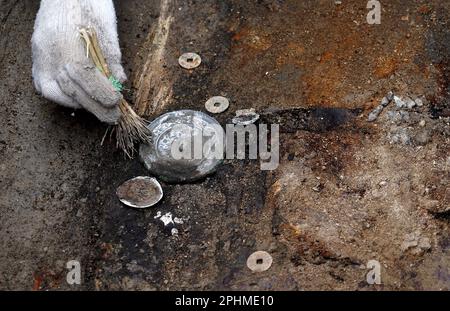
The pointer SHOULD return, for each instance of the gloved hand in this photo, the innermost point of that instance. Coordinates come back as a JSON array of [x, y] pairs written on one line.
[[62, 72]]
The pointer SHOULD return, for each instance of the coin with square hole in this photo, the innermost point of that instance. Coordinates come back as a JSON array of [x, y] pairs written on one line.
[[259, 261], [190, 60], [217, 104]]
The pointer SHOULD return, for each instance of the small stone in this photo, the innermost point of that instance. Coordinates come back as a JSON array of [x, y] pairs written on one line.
[[376, 193], [422, 123], [318, 188], [411, 241], [399, 102], [390, 96], [273, 247], [385, 101], [416, 243], [375, 113], [178, 221], [419, 102], [404, 115], [410, 104], [424, 244], [398, 116], [422, 138], [400, 136]]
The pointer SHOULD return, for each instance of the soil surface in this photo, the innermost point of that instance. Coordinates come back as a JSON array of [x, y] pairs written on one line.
[[346, 191]]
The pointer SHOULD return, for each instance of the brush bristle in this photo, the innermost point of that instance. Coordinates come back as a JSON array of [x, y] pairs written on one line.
[[130, 130]]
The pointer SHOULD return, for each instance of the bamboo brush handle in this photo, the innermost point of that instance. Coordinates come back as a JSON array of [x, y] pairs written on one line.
[[94, 50]]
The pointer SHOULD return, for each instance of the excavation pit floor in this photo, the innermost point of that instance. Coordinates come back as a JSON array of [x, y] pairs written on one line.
[[347, 191]]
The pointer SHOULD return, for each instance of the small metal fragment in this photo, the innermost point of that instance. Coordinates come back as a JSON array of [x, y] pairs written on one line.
[[167, 218], [140, 192], [259, 261], [245, 117], [217, 104], [190, 60]]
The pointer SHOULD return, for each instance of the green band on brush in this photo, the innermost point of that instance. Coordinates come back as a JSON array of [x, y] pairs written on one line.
[[116, 84]]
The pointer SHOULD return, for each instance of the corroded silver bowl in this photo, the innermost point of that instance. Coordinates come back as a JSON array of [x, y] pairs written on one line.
[[187, 145]]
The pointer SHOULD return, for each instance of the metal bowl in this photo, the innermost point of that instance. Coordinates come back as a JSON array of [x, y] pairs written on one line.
[[187, 146]]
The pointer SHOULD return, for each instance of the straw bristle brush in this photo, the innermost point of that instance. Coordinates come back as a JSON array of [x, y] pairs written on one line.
[[131, 128]]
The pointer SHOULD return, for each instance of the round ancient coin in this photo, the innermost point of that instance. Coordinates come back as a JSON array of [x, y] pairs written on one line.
[[259, 261], [190, 60], [217, 104], [140, 192]]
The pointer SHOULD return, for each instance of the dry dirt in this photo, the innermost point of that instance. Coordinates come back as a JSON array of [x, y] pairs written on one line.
[[347, 191]]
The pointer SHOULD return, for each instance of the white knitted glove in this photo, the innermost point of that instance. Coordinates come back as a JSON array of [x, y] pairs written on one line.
[[62, 72]]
